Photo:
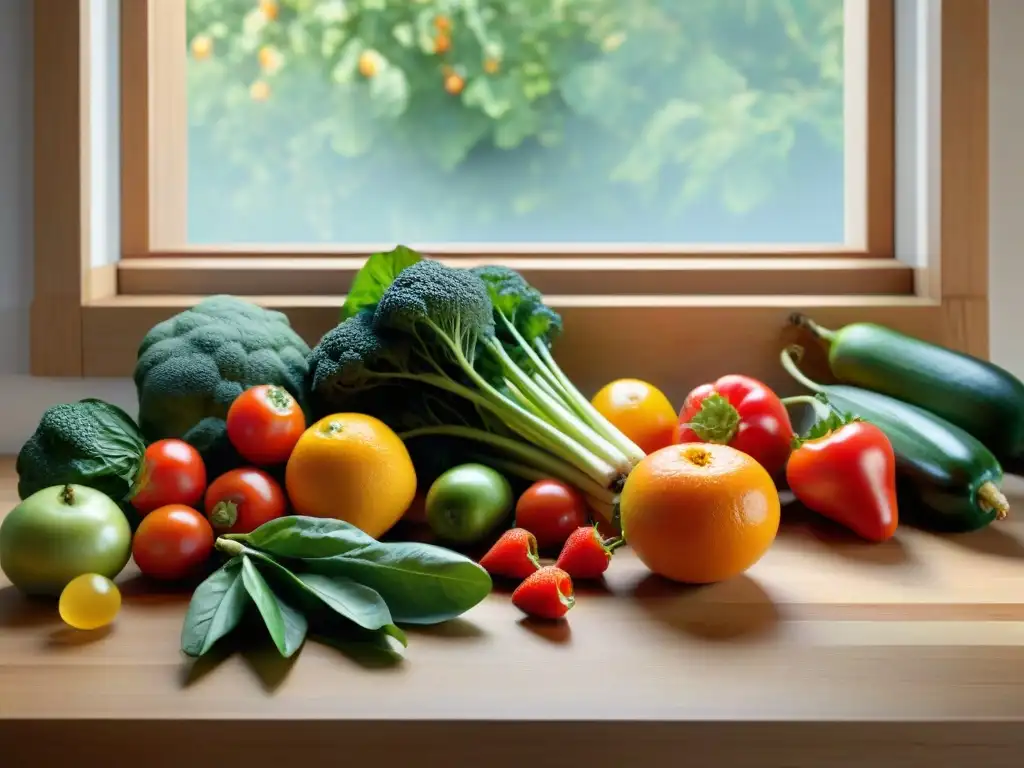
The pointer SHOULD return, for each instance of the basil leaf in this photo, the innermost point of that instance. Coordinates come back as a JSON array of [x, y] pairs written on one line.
[[359, 604], [356, 602], [374, 277], [89, 442], [287, 626], [421, 583], [215, 610]]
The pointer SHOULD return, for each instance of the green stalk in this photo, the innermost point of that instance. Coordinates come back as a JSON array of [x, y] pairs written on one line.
[[559, 414], [534, 357], [523, 400], [786, 357], [605, 507], [552, 465], [554, 441], [593, 417], [803, 321]]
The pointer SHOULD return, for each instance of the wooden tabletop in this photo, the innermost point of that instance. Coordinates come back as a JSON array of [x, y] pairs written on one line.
[[828, 652]]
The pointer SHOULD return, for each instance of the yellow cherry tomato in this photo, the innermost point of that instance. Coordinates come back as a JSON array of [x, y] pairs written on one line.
[[640, 411], [89, 601]]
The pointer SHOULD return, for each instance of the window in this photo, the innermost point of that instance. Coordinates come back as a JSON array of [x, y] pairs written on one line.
[[676, 175], [527, 121]]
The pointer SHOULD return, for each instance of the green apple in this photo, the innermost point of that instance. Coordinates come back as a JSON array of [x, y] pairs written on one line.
[[467, 502]]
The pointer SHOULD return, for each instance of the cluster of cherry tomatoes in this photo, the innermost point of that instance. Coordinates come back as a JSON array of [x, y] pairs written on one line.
[[183, 514]]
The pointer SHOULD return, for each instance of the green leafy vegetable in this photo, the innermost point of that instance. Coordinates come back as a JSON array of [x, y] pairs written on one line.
[[89, 442], [286, 625], [420, 583], [375, 277], [216, 609], [465, 353], [359, 604], [330, 581]]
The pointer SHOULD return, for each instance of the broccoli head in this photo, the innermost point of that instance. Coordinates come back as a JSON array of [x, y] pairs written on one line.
[[444, 307], [192, 366], [521, 305]]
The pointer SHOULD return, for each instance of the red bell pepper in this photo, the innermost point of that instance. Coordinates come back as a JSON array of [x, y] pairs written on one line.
[[844, 469], [741, 412]]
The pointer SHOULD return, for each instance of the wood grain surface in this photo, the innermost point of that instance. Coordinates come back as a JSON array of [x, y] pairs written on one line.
[[827, 653]]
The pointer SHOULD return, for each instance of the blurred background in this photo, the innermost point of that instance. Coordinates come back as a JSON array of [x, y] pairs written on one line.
[[358, 121]]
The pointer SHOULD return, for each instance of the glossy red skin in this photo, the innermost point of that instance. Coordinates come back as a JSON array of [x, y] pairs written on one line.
[[258, 498], [262, 431], [551, 510], [849, 476], [584, 555], [545, 594], [172, 543], [172, 473], [513, 556], [765, 432]]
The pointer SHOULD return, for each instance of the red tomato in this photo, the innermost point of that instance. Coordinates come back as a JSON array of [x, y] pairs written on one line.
[[172, 473], [551, 510], [242, 500], [740, 412], [172, 542], [264, 423]]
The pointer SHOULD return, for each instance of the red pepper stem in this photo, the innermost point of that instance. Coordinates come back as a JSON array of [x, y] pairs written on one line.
[[803, 321], [991, 498], [821, 410]]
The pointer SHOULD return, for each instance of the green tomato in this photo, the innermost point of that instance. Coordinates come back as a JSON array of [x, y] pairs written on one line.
[[467, 502], [59, 533]]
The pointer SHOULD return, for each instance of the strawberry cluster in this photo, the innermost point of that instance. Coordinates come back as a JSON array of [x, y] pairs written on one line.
[[546, 591]]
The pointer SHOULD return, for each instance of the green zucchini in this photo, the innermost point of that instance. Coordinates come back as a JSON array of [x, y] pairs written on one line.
[[949, 475], [973, 394]]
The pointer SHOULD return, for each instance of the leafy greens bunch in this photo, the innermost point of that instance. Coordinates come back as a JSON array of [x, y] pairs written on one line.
[[306, 575], [449, 353]]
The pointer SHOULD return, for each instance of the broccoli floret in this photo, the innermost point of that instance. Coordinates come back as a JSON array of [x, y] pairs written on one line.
[[445, 309], [460, 353], [90, 443], [192, 366]]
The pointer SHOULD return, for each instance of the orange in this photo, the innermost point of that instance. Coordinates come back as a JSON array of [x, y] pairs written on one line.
[[699, 512], [454, 84], [640, 411], [368, 63], [269, 8], [351, 467]]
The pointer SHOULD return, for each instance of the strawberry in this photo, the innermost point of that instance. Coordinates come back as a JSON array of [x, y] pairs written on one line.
[[585, 554], [513, 556], [545, 594]]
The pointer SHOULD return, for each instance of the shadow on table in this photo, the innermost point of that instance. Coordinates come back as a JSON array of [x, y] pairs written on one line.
[[798, 522], [734, 610], [19, 611]]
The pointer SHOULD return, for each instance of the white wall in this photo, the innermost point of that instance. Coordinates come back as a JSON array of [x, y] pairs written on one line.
[[22, 399]]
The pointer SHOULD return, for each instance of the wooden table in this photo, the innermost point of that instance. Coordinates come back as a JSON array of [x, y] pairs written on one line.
[[828, 653]]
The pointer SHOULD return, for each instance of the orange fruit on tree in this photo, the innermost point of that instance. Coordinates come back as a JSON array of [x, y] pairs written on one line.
[[202, 47], [442, 24], [639, 410], [442, 43], [368, 63], [269, 8], [699, 512], [454, 84], [351, 467], [259, 91], [491, 66]]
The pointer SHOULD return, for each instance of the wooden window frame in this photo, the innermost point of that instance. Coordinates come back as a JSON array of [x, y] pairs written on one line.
[[671, 316]]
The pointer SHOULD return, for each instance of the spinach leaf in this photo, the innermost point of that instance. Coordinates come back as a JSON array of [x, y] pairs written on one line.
[[216, 609], [89, 442], [421, 583], [286, 625], [374, 277], [359, 604]]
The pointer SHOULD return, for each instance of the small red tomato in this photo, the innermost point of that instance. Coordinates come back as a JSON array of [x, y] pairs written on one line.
[[172, 473], [172, 542], [551, 510], [242, 500], [264, 423]]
